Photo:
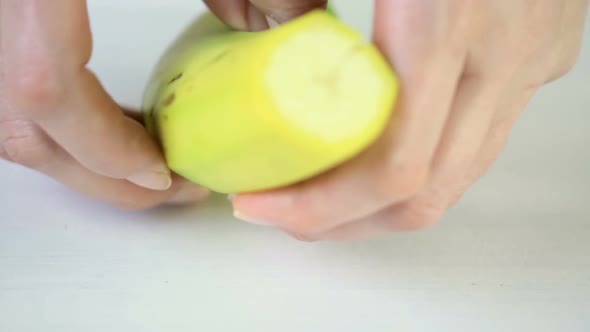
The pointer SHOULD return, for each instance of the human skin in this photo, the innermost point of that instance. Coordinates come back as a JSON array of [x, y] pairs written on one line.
[[56, 118], [468, 69]]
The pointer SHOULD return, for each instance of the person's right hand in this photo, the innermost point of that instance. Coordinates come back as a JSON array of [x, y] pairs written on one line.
[[56, 118]]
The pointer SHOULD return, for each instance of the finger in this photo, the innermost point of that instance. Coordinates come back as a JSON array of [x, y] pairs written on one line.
[[25, 143], [46, 47], [284, 10], [427, 44], [190, 192], [397, 167], [397, 218], [120, 193], [427, 209], [499, 132], [239, 14], [258, 15], [477, 100], [134, 114]]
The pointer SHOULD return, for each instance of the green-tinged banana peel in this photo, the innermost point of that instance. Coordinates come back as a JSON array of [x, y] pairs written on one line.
[[242, 111]]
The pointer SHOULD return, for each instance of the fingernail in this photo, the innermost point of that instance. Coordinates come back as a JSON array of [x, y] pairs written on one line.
[[256, 19], [239, 215], [272, 23], [189, 194], [157, 179]]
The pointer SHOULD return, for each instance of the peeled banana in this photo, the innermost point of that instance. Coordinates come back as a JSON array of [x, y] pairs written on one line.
[[240, 111]]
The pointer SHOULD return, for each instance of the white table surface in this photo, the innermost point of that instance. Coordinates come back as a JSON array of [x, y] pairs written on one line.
[[512, 256]]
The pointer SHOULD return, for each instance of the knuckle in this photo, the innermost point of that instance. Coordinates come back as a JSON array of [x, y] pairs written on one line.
[[34, 86], [23, 143], [536, 83], [497, 139], [501, 129], [458, 195], [551, 66], [564, 67], [306, 224], [303, 215], [405, 180], [418, 215]]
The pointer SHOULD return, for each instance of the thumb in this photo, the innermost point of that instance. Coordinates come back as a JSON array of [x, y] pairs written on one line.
[[256, 15]]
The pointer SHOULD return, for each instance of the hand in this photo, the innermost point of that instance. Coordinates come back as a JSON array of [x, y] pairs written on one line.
[[467, 70], [57, 119]]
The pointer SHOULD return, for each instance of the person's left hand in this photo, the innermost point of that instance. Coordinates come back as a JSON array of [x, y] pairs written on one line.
[[57, 118], [467, 70]]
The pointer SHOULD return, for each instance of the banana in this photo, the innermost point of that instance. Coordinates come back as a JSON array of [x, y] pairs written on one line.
[[239, 111]]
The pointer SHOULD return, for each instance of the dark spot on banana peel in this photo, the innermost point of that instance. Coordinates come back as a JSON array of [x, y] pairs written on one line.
[[176, 78], [217, 58], [169, 100], [220, 56]]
